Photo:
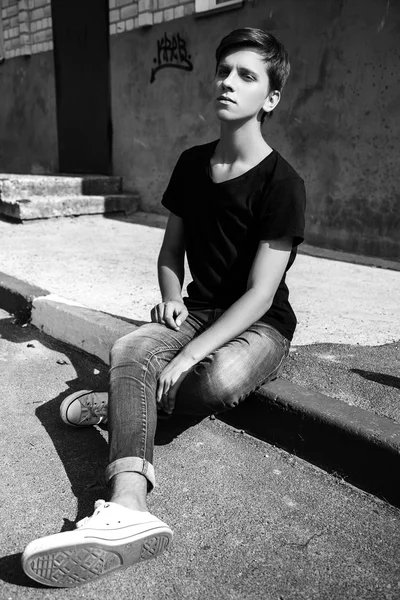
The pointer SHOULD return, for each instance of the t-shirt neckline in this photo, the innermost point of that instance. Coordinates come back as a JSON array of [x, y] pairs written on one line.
[[227, 181]]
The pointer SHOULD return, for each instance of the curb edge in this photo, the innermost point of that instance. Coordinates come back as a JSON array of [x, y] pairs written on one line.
[[17, 296]]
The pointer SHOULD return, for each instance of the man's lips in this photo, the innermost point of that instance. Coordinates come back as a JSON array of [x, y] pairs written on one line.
[[226, 99]]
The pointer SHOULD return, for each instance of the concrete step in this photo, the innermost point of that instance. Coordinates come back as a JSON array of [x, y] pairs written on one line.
[[45, 207], [21, 187]]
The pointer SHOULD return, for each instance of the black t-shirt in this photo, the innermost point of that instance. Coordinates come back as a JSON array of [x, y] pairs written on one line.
[[224, 223]]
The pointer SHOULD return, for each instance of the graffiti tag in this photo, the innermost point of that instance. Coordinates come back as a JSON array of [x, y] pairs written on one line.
[[171, 53]]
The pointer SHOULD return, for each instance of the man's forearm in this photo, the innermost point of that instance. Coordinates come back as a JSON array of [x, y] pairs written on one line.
[[170, 276], [248, 309]]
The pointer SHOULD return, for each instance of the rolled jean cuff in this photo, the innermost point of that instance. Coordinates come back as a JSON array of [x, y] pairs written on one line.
[[132, 464]]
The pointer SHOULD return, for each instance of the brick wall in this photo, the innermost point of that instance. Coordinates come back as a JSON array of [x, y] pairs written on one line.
[[126, 15], [27, 27]]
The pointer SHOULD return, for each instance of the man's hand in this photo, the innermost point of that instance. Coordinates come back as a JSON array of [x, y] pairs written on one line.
[[170, 381], [171, 313]]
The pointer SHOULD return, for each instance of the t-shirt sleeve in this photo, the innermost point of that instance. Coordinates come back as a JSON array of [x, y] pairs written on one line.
[[172, 197], [282, 211]]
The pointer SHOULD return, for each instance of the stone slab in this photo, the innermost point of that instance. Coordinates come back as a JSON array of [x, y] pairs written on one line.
[[45, 207], [16, 186]]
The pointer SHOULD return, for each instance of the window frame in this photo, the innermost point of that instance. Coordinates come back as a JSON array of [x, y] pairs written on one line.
[[203, 7]]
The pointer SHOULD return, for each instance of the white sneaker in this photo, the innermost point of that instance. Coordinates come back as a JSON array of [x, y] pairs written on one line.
[[85, 408], [114, 537]]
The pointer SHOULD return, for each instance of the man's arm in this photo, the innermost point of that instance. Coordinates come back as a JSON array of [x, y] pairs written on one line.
[[171, 260], [171, 311], [266, 273]]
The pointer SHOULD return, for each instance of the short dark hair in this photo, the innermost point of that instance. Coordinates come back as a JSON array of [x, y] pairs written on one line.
[[272, 51]]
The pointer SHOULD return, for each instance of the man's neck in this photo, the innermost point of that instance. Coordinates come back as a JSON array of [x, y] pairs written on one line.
[[242, 143]]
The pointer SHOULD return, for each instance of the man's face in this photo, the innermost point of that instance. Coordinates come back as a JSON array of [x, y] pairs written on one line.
[[241, 86]]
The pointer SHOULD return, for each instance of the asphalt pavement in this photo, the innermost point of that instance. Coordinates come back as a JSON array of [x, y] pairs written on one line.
[[250, 520]]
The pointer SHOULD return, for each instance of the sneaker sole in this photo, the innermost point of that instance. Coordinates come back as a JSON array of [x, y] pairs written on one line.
[[70, 566]]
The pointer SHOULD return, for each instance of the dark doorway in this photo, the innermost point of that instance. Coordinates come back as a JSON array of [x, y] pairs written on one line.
[[81, 58]]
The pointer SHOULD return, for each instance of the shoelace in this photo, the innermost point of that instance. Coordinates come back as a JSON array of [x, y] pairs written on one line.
[[98, 506], [95, 412]]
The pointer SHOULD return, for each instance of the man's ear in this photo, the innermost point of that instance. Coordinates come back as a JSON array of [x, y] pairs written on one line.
[[271, 101]]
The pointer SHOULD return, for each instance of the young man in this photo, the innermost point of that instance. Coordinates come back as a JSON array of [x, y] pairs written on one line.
[[237, 209]]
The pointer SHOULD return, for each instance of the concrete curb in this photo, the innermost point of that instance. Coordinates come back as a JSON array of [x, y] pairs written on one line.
[[89, 330], [355, 444], [350, 257], [16, 296], [350, 442]]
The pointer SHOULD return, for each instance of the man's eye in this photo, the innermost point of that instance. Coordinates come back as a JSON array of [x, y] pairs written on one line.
[[223, 71]]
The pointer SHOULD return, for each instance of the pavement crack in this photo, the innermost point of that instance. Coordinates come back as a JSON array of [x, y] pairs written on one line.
[[305, 544]]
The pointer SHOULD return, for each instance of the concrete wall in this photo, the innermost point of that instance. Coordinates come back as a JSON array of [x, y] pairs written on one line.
[[337, 123], [28, 129]]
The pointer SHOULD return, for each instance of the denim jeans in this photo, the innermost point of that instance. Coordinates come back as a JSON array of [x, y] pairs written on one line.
[[217, 383]]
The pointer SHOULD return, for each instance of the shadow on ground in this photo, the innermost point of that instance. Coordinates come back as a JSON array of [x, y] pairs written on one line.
[[83, 452], [381, 378], [139, 218], [11, 572]]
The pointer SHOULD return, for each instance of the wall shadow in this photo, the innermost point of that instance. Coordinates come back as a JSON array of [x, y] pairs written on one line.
[[82, 452], [139, 218]]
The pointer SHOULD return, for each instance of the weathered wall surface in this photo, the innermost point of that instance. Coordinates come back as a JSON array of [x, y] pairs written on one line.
[[28, 129], [337, 123]]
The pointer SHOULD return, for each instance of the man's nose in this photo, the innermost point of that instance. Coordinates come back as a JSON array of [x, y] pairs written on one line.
[[228, 82]]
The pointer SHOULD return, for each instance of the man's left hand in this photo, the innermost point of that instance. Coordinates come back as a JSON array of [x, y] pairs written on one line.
[[170, 381]]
